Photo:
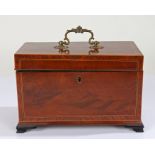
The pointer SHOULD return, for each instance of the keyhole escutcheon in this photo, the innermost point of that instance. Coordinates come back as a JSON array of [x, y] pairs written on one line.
[[79, 79]]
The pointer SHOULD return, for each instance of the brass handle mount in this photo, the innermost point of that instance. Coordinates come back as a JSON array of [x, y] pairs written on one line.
[[64, 44]]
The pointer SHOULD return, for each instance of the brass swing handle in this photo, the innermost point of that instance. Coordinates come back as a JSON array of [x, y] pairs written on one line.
[[93, 44]]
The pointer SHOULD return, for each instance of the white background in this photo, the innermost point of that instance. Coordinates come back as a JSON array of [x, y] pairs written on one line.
[[15, 30]]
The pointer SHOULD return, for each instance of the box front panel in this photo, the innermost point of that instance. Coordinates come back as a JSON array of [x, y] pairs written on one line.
[[78, 96]]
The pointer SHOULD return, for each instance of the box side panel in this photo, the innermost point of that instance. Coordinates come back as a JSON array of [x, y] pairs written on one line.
[[20, 96]]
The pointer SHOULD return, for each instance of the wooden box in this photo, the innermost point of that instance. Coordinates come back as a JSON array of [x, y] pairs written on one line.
[[79, 83]]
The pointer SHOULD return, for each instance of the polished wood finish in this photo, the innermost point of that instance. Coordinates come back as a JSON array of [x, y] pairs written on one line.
[[114, 48], [79, 88]]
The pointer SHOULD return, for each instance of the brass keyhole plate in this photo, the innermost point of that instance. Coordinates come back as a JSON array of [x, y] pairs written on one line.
[[79, 79]]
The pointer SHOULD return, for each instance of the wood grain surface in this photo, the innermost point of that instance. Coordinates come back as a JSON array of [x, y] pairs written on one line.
[[78, 88]]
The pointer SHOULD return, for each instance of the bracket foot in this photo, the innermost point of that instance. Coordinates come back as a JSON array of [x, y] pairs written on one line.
[[24, 128], [136, 128]]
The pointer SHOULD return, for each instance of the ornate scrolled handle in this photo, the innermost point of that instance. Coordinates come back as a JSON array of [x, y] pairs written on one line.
[[93, 44]]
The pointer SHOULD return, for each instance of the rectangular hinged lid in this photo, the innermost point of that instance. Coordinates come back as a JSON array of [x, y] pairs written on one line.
[[114, 56]]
